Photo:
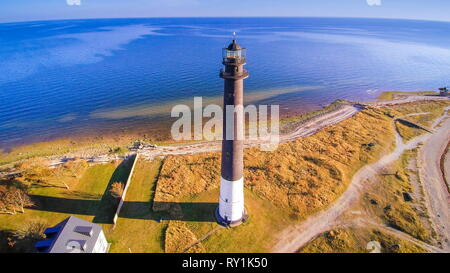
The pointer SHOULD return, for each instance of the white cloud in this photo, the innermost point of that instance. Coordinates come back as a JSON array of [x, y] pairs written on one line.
[[373, 2], [73, 2]]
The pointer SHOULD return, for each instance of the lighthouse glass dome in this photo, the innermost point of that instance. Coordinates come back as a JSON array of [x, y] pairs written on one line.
[[233, 54]]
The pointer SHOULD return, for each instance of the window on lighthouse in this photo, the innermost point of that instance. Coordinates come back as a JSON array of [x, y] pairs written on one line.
[[232, 54]]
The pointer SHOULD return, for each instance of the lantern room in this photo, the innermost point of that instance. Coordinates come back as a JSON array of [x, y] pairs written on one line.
[[234, 53]]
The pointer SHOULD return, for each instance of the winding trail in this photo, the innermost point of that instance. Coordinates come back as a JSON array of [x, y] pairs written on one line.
[[403, 236], [294, 237], [306, 129], [437, 196]]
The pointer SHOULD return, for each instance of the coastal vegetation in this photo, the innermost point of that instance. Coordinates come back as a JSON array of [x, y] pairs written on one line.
[[407, 132], [117, 189], [13, 199], [423, 113], [171, 201], [395, 199], [390, 95], [79, 146], [87, 197], [291, 122], [302, 176], [139, 228], [359, 240], [179, 239], [298, 179], [417, 113]]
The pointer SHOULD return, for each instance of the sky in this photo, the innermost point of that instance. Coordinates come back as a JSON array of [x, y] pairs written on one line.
[[31, 10]]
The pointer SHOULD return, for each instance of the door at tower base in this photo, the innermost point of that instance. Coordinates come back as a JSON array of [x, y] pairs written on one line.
[[231, 203]]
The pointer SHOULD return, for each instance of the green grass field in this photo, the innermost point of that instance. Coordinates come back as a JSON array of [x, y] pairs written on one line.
[[138, 228], [282, 187], [88, 199], [257, 234]]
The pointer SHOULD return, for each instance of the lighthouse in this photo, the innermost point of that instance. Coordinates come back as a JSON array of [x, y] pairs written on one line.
[[231, 210]]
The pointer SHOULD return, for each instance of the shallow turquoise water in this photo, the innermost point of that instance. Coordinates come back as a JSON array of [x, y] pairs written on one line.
[[68, 77]]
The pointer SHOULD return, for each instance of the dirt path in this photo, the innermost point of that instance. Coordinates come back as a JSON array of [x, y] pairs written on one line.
[[306, 129], [402, 236], [436, 193], [303, 130], [445, 161], [204, 237], [317, 124], [294, 237], [406, 99]]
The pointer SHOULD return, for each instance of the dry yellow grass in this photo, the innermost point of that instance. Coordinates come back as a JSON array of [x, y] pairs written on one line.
[[407, 133], [186, 175], [115, 142], [296, 180], [427, 112], [393, 94], [179, 238], [430, 109], [355, 240], [308, 174], [37, 172], [257, 234], [385, 200], [302, 176]]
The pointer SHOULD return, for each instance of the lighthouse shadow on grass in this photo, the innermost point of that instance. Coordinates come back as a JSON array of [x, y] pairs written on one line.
[[179, 211]]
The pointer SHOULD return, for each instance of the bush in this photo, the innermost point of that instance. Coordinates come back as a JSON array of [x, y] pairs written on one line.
[[117, 189], [32, 230], [13, 199]]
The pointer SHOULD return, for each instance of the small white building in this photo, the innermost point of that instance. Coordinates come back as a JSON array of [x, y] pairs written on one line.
[[74, 235], [444, 91]]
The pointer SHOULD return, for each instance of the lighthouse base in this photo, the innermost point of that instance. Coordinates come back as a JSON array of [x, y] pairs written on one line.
[[221, 221]]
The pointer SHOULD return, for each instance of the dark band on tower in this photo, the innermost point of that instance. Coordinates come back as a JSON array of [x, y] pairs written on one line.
[[231, 209]]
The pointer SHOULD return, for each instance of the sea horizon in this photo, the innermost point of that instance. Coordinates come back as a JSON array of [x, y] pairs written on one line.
[[59, 80], [225, 17]]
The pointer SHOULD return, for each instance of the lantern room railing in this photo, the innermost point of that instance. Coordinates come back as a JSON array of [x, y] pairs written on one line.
[[233, 75]]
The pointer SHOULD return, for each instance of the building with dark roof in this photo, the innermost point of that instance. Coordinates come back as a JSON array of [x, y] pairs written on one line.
[[73, 235]]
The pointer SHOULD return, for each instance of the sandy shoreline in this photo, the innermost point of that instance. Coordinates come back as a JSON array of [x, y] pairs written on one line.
[[98, 143]]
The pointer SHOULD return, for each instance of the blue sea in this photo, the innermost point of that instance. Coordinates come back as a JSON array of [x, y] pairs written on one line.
[[62, 78]]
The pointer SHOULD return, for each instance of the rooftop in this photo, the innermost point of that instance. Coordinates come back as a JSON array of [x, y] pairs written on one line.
[[72, 234], [234, 46]]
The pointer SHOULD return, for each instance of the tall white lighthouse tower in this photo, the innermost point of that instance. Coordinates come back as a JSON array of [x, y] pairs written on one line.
[[231, 210]]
